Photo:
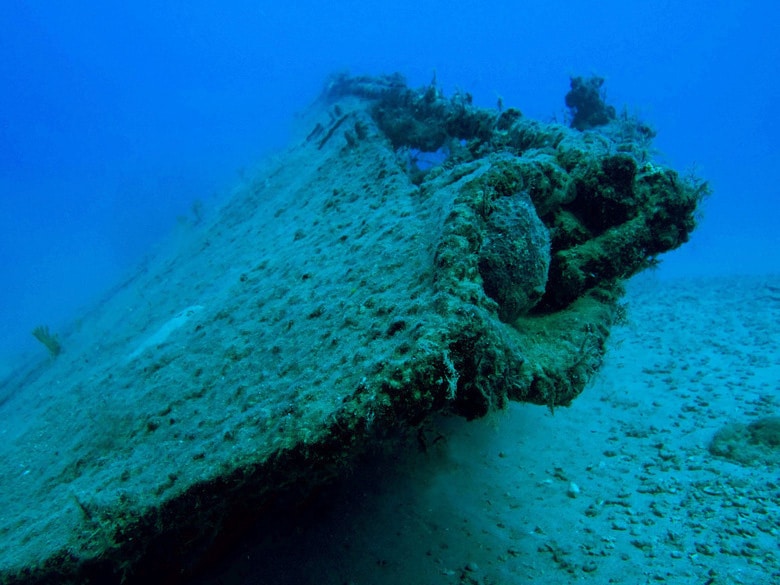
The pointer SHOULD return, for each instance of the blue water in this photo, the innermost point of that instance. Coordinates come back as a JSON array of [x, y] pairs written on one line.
[[116, 116]]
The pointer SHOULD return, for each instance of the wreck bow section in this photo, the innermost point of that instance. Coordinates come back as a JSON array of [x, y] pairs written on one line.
[[411, 254], [541, 225]]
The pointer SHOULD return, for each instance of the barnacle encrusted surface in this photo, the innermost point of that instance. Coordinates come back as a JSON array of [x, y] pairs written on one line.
[[348, 291]]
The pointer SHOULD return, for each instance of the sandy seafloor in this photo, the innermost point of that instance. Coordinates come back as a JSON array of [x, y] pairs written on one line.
[[618, 488]]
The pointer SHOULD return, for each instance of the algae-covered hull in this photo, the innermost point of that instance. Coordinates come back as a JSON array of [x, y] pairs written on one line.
[[349, 291]]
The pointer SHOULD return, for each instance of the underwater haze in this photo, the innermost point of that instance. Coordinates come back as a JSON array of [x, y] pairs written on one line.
[[117, 116], [239, 306]]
